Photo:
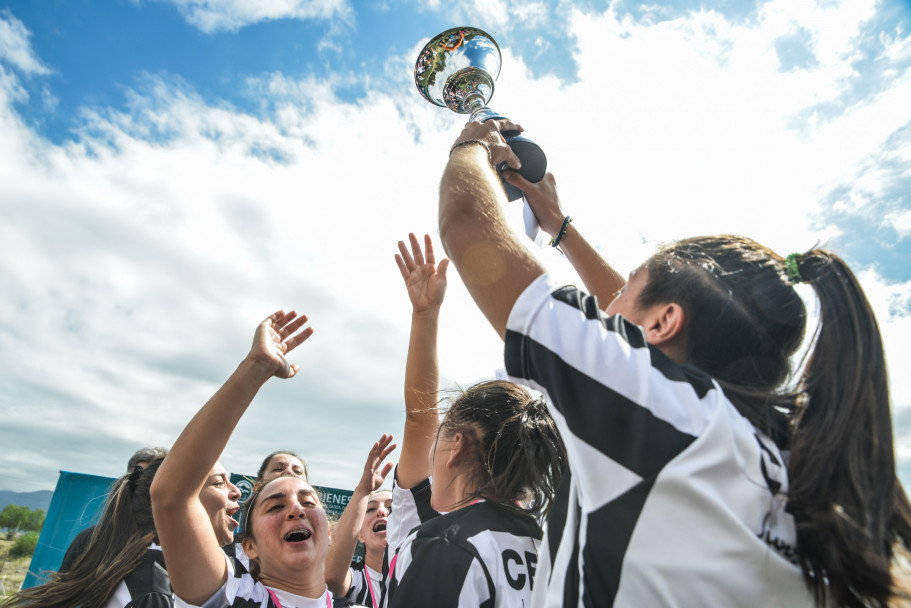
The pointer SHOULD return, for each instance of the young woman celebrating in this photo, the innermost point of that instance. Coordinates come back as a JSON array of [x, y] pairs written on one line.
[[365, 519], [286, 533], [494, 462], [700, 474]]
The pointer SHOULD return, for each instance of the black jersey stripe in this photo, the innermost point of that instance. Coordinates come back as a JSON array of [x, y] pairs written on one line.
[[571, 582], [607, 428], [556, 519], [588, 305], [608, 533]]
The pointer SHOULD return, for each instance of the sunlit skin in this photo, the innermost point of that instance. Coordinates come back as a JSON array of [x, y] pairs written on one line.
[[373, 530], [219, 498], [281, 465], [289, 536]]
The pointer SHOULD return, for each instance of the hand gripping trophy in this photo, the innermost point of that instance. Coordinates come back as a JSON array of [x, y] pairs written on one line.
[[457, 69]]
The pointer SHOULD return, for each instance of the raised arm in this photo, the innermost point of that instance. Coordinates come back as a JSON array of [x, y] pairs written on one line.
[[344, 535], [600, 279], [492, 261], [426, 285], [196, 563]]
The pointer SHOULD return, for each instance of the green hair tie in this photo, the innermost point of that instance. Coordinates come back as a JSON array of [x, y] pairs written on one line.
[[790, 266]]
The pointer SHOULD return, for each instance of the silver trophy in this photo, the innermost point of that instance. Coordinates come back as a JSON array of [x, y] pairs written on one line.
[[457, 70]]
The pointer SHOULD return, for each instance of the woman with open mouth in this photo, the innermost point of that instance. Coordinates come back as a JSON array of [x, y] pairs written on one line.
[[364, 520], [286, 530]]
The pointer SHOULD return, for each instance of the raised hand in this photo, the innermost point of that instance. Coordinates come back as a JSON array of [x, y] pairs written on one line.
[[275, 337], [489, 132], [543, 199], [425, 281], [375, 471]]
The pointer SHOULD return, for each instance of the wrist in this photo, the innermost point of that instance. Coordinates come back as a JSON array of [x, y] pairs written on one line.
[[561, 234], [427, 314], [256, 369], [360, 491], [475, 144]]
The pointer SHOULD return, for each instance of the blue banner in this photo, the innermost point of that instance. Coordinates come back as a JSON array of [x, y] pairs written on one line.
[[78, 503]]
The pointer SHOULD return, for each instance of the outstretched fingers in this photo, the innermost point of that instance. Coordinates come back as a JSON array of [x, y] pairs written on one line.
[[297, 340], [386, 448], [285, 325], [403, 266], [416, 249], [404, 260], [290, 323], [428, 249]]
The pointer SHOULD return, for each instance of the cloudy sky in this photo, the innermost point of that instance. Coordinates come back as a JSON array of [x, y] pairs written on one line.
[[172, 171]]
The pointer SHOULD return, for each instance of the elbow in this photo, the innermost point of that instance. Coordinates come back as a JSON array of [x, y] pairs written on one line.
[[164, 498], [452, 217], [446, 228], [159, 494]]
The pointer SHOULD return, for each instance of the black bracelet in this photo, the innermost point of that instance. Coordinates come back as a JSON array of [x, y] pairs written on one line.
[[556, 240]]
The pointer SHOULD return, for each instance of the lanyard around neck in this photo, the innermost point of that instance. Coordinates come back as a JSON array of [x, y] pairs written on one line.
[[278, 604], [370, 587]]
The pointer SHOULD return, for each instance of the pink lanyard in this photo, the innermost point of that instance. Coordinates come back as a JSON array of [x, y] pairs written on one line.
[[370, 585], [278, 604]]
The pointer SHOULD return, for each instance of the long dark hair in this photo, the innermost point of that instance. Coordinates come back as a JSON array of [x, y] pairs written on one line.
[[518, 453], [116, 548], [744, 321]]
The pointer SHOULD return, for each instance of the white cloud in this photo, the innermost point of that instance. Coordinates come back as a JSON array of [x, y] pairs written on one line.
[[138, 258], [499, 15], [900, 221], [212, 16], [15, 48], [530, 13]]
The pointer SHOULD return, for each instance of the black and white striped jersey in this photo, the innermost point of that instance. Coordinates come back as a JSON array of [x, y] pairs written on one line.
[[241, 590], [672, 498], [366, 591], [484, 554]]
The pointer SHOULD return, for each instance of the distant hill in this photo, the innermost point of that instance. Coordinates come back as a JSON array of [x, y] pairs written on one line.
[[33, 500]]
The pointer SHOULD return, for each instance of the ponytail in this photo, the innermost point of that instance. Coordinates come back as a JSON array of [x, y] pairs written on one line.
[[849, 506], [518, 455], [744, 322], [117, 546]]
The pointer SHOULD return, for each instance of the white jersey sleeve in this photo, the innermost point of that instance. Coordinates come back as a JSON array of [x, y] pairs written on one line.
[[410, 508]]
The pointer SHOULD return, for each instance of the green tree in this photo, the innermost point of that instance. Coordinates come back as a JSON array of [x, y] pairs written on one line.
[[34, 521], [16, 518], [24, 545]]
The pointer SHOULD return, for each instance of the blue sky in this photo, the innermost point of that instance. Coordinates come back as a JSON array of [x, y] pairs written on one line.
[[172, 171]]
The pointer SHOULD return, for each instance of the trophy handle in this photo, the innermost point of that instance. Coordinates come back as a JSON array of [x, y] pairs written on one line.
[[534, 161]]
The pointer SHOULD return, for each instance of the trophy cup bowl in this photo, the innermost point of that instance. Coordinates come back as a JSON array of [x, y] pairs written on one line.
[[457, 70]]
